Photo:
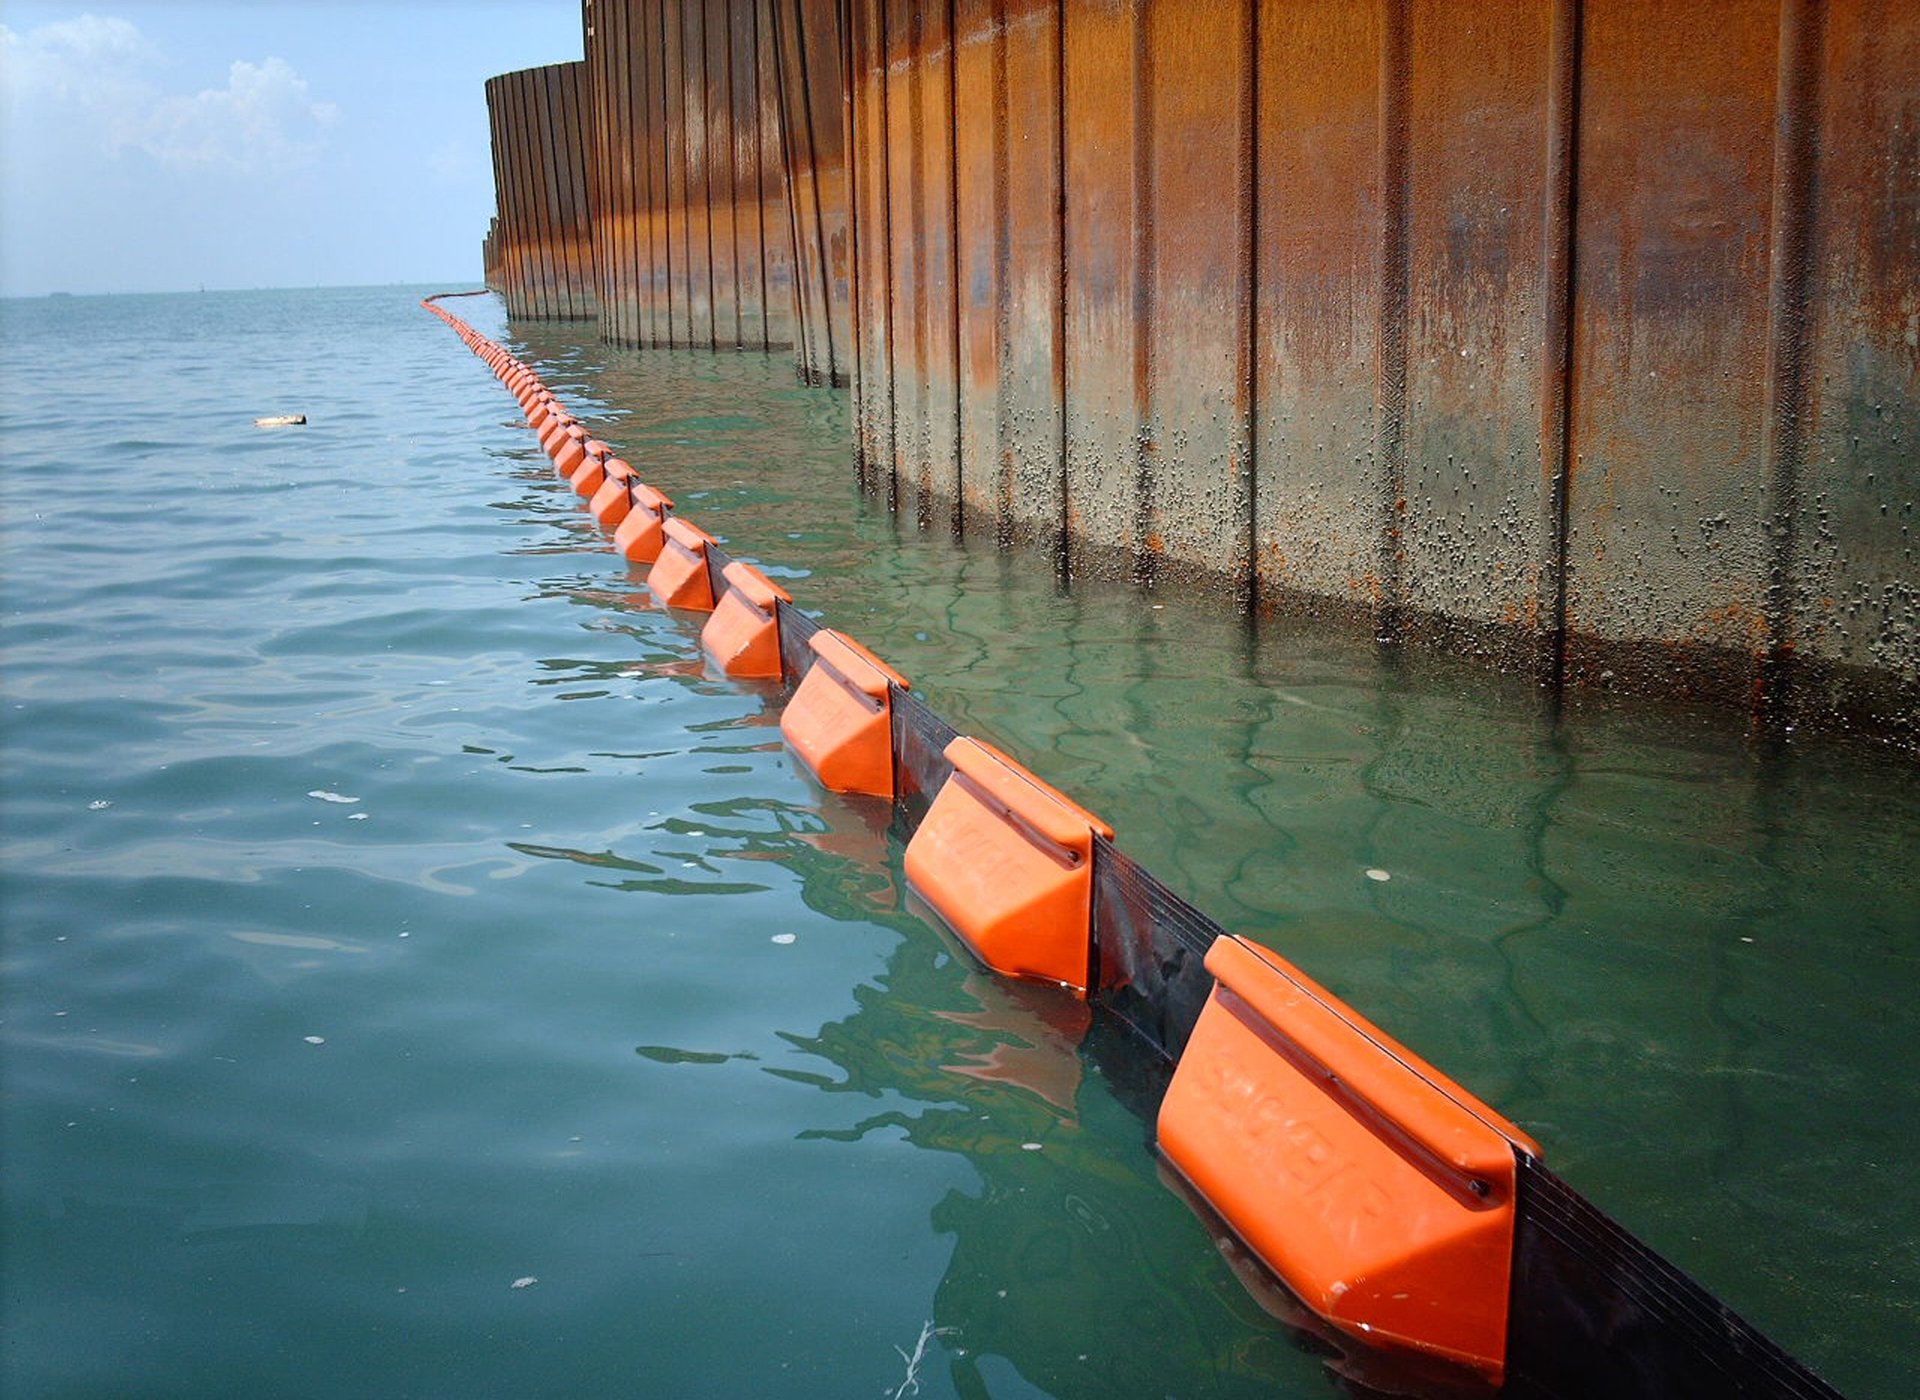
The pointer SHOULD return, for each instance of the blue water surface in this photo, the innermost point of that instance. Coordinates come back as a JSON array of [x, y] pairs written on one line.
[[422, 978]]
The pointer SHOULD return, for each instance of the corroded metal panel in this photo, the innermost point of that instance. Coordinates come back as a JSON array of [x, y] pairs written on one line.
[[1580, 332], [749, 56], [537, 118], [871, 183], [902, 170], [1108, 316], [980, 228], [1031, 353], [934, 137], [1197, 154], [689, 195], [657, 279], [1855, 516], [808, 38], [1667, 545], [1317, 271], [1478, 199]]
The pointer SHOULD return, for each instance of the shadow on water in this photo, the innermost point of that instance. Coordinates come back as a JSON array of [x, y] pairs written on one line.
[[1684, 962]]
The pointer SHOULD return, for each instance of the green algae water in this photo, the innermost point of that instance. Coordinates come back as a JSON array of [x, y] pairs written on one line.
[[422, 978]]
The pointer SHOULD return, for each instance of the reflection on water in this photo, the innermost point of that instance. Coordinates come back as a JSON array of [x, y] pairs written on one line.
[[1684, 962], [589, 986]]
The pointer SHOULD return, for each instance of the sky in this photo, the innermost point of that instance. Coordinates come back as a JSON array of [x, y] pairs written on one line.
[[169, 145]]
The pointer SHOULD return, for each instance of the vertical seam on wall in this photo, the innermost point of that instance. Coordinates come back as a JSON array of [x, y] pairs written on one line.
[[1062, 556], [626, 289], [559, 189], [849, 102], [604, 106], [733, 178], [528, 144], [666, 173], [646, 259], [759, 162], [594, 169], [1145, 437], [818, 241], [582, 218], [784, 98], [529, 216], [1002, 288], [917, 232], [953, 267], [582, 184], [1789, 328], [539, 150], [1248, 585], [1390, 407], [886, 231], [707, 163], [686, 183], [1558, 255], [794, 20]]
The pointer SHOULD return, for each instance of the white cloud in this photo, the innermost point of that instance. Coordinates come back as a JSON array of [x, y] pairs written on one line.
[[90, 71], [264, 119], [94, 81]]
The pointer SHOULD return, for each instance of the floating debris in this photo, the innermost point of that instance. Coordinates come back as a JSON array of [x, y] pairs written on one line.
[[911, 1385], [282, 420], [326, 796]]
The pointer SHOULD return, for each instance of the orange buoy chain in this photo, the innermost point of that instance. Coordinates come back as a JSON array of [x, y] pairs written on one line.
[[1388, 1199]]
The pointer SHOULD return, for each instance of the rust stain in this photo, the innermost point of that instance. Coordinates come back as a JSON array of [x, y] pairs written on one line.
[[1595, 322]]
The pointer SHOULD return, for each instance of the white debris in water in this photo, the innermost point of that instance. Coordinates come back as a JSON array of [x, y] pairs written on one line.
[[316, 1040], [99, 804], [1379, 875], [326, 796], [910, 1385], [526, 1281], [784, 937]]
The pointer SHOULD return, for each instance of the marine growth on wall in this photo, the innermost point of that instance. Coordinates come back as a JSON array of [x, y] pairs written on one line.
[[1582, 335]]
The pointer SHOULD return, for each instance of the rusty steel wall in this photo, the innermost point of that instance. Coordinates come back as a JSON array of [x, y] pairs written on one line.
[[1584, 335], [492, 276], [808, 40], [543, 243], [694, 242]]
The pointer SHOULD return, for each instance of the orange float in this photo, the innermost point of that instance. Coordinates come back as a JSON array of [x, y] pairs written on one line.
[[559, 425], [591, 474], [743, 635], [840, 719], [569, 450], [643, 532], [1007, 862], [679, 577], [1376, 1188], [612, 501]]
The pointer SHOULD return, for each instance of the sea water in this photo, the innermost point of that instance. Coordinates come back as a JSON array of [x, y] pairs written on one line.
[[422, 977]]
